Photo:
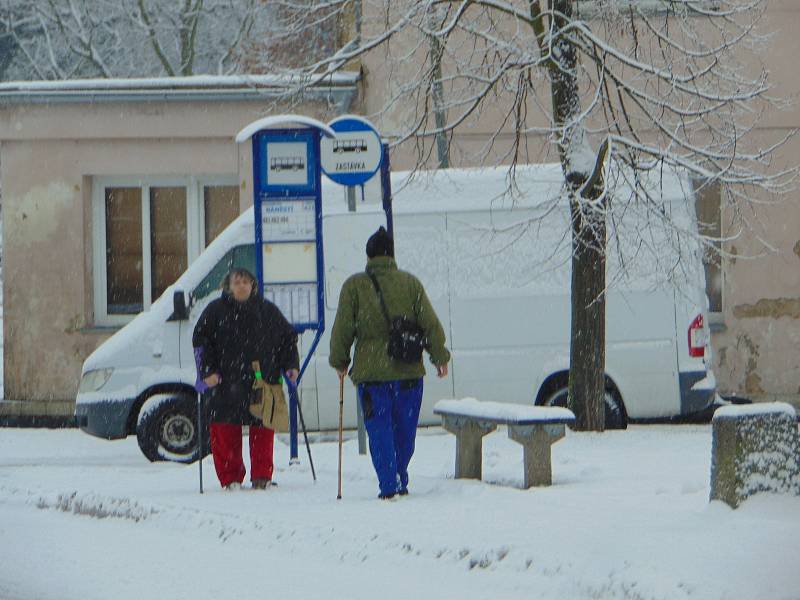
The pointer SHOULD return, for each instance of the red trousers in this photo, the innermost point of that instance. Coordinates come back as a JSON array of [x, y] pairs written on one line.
[[226, 447]]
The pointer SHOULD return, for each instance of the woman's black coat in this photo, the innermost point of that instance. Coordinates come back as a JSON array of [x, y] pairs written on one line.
[[232, 335]]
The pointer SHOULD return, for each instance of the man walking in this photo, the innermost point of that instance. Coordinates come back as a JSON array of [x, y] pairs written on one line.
[[389, 388]]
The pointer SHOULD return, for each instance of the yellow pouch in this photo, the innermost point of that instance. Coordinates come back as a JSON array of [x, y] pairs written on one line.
[[269, 405]]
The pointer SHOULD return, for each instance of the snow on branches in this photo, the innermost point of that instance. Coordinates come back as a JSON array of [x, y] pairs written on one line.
[[68, 39], [663, 85]]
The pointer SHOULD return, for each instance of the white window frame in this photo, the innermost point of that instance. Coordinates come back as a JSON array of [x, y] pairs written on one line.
[[195, 231]]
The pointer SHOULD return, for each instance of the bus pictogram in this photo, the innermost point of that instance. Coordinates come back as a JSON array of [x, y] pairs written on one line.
[[287, 163], [351, 145]]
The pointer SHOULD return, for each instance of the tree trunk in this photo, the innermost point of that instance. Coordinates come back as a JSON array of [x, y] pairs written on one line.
[[587, 335], [587, 353], [440, 119]]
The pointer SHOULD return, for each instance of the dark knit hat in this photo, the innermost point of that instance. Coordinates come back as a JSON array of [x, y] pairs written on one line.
[[380, 244]]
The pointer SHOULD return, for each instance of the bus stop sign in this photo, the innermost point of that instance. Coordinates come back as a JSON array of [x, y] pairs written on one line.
[[354, 155]]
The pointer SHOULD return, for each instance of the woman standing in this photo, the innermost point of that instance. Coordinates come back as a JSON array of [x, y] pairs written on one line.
[[235, 331]]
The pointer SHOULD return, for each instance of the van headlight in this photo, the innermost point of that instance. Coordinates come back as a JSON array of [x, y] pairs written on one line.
[[93, 381]]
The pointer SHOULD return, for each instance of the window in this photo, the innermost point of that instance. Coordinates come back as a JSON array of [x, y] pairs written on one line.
[[123, 220], [168, 248], [220, 207], [708, 199], [147, 232]]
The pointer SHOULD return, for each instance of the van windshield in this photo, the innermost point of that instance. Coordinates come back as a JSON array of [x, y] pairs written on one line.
[[238, 256]]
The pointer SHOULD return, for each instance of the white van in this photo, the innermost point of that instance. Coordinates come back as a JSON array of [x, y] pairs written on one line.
[[497, 272]]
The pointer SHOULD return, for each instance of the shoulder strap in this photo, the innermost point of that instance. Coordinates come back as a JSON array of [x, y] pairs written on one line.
[[380, 297]]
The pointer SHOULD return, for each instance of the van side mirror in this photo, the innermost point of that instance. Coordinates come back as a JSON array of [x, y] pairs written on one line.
[[179, 310]]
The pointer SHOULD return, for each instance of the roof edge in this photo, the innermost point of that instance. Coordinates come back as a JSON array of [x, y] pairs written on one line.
[[196, 82]]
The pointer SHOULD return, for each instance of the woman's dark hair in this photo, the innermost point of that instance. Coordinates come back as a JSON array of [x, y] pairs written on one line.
[[239, 272]]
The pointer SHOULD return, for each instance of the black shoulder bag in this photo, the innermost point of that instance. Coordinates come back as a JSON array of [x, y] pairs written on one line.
[[406, 338]]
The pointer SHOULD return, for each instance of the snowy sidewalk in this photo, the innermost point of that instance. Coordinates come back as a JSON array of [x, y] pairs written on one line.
[[627, 517]]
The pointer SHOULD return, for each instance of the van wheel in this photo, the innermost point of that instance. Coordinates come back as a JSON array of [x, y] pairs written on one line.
[[167, 428], [615, 416]]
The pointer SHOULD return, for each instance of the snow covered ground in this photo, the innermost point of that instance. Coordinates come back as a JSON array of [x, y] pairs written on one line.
[[628, 517]]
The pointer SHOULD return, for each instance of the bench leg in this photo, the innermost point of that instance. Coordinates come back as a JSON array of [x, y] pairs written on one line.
[[536, 444], [469, 446]]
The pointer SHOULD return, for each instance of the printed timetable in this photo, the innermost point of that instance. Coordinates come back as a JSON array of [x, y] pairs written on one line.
[[289, 220]]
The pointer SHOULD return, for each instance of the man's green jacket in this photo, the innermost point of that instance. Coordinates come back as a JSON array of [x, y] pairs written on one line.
[[359, 318]]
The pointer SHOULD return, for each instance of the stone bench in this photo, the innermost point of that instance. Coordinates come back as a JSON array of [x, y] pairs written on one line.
[[535, 427], [755, 448]]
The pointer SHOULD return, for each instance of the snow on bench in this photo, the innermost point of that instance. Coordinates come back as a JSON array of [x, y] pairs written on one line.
[[537, 428], [503, 413]]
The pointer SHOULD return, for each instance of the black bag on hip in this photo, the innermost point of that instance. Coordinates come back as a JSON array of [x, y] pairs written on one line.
[[406, 338]]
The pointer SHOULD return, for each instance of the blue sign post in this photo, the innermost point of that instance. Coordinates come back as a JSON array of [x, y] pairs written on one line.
[[287, 204], [386, 189], [351, 159]]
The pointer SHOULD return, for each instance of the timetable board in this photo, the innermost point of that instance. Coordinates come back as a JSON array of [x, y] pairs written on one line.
[[297, 301], [289, 209], [289, 220]]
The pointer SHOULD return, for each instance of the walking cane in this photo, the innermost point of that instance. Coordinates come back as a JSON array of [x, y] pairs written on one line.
[[293, 390], [200, 387], [200, 437], [341, 417]]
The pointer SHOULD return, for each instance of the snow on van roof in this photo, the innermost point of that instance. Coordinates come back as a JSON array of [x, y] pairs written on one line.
[[449, 190], [454, 190], [464, 189], [654, 247]]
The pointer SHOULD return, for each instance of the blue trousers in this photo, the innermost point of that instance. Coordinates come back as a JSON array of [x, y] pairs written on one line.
[[391, 414]]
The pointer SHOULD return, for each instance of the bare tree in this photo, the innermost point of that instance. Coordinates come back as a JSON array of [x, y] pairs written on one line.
[[296, 36], [621, 91], [66, 39]]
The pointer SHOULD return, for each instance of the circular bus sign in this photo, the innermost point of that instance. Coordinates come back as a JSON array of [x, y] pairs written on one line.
[[354, 155]]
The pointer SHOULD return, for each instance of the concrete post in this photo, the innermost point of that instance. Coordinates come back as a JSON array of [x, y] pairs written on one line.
[[754, 452], [536, 441], [469, 444]]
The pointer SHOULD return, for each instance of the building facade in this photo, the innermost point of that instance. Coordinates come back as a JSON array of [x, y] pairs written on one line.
[[111, 188]]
